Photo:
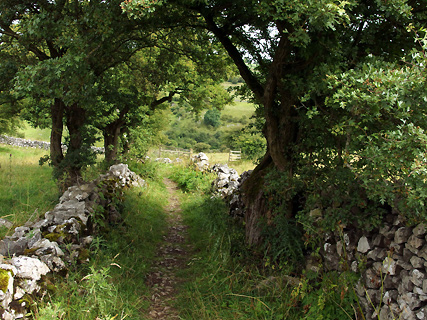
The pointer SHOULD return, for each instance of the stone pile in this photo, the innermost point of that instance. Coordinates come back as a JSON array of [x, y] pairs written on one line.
[[62, 237], [200, 162], [19, 142], [393, 263], [227, 180], [227, 186]]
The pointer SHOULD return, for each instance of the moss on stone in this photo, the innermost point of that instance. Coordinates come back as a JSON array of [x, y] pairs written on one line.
[[4, 279], [29, 252], [53, 236]]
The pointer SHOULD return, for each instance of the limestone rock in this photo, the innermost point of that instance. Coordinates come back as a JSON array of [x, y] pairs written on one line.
[[378, 254], [420, 230], [363, 245], [417, 277], [389, 266], [29, 268], [10, 248], [417, 263], [6, 223], [416, 242], [402, 234], [6, 293]]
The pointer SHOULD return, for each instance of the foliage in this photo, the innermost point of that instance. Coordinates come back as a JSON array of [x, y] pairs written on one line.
[[330, 297], [201, 147], [187, 131], [341, 98], [230, 284], [190, 180], [282, 234], [148, 170], [249, 140], [212, 118]]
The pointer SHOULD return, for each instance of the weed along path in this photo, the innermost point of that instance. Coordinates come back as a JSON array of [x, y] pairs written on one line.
[[172, 255]]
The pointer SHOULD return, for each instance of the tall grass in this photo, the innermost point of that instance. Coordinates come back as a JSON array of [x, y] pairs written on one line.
[[27, 190], [227, 284], [230, 280]]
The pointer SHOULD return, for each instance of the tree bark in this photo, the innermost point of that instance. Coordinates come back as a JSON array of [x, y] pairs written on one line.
[[57, 113], [111, 141], [75, 121]]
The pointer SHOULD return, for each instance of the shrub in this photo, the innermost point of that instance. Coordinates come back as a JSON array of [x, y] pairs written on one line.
[[201, 147], [212, 118]]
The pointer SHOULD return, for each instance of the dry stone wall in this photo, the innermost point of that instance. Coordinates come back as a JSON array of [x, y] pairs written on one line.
[[19, 142], [62, 237], [391, 260]]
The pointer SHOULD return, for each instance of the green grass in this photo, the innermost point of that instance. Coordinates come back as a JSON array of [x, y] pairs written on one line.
[[27, 190], [226, 279], [232, 281], [239, 109], [30, 133], [227, 284]]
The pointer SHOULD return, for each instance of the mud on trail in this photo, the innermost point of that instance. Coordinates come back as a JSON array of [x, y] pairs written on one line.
[[173, 254]]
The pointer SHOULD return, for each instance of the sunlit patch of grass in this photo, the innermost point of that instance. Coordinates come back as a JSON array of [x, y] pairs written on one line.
[[239, 109], [27, 190], [31, 133], [222, 158]]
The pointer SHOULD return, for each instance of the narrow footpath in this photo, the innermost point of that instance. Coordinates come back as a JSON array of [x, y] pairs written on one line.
[[172, 255]]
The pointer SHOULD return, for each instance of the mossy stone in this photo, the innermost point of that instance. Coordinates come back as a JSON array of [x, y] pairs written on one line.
[[4, 279]]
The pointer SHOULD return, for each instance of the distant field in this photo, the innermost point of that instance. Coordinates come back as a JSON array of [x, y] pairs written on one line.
[[27, 190], [239, 109], [31, 133]]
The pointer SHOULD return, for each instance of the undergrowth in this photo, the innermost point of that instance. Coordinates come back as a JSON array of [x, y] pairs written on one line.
[[190, 180], [226, 278]]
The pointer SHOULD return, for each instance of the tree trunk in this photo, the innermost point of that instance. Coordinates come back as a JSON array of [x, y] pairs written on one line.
[[75, 121], [254, 200], [280, 127], [280, 132], [57, 114], [111, 141]]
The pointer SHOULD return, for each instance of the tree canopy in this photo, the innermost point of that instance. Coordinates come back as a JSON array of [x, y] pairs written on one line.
[[65, 60], [341, 89]]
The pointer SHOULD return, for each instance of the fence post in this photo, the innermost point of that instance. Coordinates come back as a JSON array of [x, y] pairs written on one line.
[[160, 152]]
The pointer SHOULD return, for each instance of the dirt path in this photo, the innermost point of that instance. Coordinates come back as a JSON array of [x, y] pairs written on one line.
[[173, 254]]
